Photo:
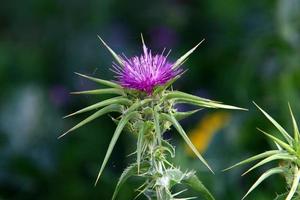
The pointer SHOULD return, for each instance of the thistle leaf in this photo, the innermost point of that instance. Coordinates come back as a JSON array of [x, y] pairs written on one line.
[[114, 139], [295, 184], [280, 156], [296, 130], [179, 62], [207, 104], [285, 134], [194, 182], [107, 109], [101, 91], [115, 100], [180, 130], [181, 97], [264, 176], [116, 57], [156, 124], [253, 158], [277, 145], [144, 128], [100, 81], [279, 142], [127, 173], [139, 147], [179, 94], [182, 115]]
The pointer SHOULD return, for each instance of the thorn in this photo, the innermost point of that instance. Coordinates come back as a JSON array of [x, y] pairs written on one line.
[[118, 59], [178, 63], [78, 73], [69, 115], [65, 133], [143, 42], [73, 92]]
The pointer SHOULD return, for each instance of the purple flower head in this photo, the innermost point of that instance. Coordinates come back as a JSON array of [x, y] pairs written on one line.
[[146, 71]]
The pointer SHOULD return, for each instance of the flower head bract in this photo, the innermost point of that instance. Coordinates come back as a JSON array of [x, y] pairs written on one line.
[[145, 72]]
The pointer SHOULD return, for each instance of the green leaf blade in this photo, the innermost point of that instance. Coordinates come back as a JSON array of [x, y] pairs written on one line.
[[253, 158], [295, 126], [114, 100], [280, 156], [180, 130], [127, 173], [139, 145], [178, 94], [116, 57], [114, 139], [181, 97], [101, 91], [157, 125], [264, 176], [107, 109], [279, 142], [285, 134], [194, 182], [100, 81], [182, 115], [179, 62], [294, 184]]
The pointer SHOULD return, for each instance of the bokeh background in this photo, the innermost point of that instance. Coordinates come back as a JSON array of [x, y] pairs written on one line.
[[251, 53]]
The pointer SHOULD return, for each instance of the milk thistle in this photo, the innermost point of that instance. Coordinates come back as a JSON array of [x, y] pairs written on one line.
[[287, 152], [146, 105]]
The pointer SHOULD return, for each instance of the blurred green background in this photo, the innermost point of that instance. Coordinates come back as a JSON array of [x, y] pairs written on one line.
[[251, 53]]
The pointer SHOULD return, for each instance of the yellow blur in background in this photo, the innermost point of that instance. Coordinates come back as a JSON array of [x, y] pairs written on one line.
[[206, 128]]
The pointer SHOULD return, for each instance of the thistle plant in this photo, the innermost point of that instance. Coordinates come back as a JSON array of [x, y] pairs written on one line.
[[287, 152], [146, 107]]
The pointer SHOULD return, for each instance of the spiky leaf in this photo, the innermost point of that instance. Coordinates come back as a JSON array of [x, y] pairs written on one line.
[[182, 115], [194, 182], [279, 142], [115, 100], [127, 173], [180, 130], [101, 91], [253, 158], [264, 176], [156, 124], [100, 81], [107, 109], [285, 134], [179, 62], [143, 130], [279, 156], [116, 57], [181, 97], [114, 139], [295, 184], [178, 94], [295, 126]]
